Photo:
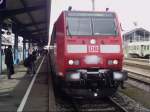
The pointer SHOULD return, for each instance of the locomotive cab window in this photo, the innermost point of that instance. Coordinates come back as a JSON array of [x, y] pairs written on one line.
[[86, 24], [104, 26], [79, 26]]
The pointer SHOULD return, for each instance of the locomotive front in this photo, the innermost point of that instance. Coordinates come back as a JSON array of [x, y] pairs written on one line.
[[93, 55]]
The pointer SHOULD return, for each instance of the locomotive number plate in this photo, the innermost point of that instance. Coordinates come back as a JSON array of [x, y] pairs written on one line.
[[93, 48]]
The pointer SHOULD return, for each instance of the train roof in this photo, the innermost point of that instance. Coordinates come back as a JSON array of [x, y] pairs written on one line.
[[90, 13]]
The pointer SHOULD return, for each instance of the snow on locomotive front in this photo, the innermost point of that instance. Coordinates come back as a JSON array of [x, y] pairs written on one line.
[[88, 53]]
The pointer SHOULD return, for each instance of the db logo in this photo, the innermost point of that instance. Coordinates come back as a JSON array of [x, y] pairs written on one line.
[[93, 48], [1, 1]]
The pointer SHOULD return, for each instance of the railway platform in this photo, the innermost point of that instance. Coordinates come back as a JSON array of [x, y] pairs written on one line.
[[23, 30], [25, 92], [12, 90]]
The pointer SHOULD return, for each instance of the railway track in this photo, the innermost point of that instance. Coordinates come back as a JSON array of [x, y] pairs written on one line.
[[139, 77], [140, 74], [138, 70], [117, 103], [112, 104], [139, 63], [138, 60], [139, 81]]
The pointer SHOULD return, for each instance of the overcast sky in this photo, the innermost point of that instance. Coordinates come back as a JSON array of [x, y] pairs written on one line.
[[129, 11]]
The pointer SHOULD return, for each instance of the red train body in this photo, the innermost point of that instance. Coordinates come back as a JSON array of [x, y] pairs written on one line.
[[87, 56]]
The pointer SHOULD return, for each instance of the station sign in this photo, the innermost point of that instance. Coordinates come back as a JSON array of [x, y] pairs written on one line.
[[2, 4]]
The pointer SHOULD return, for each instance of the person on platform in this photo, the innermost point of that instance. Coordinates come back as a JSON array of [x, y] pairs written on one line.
[[34, 53], [9, 61], [31, 59]]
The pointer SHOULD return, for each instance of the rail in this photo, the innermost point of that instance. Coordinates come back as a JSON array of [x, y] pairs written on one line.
[[139, 77], [138, 59], [136, 63], [103, 105], [118, 105]]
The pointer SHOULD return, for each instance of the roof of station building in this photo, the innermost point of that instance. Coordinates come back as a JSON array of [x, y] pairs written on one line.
[[137, 30]]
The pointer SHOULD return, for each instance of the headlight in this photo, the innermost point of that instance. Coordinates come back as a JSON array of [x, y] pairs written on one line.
[[70, 62], [115, 62], [73, 62], [112, 62]]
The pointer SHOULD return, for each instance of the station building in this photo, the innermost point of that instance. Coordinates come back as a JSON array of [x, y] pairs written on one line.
[[136, 35]]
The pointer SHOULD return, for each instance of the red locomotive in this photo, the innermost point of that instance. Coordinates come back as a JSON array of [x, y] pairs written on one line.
[[87, 56]]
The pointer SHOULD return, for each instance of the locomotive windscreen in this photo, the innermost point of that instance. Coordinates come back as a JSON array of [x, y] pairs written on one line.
[[88, 24]]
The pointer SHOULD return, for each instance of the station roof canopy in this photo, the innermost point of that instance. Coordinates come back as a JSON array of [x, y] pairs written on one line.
[[29, 18]]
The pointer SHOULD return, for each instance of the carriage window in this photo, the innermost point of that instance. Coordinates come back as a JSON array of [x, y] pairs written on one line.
[[134, 47], [147, 47], [79, 26], [144, 47]]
